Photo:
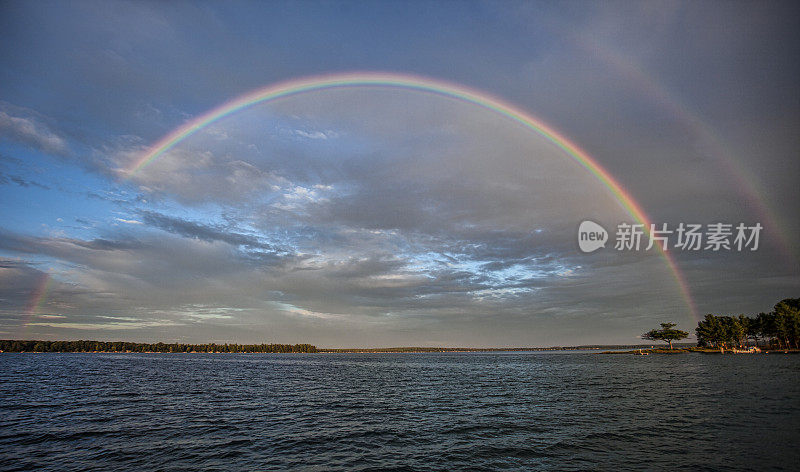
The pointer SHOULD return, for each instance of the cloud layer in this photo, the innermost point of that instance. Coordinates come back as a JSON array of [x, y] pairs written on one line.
[[373, 216]]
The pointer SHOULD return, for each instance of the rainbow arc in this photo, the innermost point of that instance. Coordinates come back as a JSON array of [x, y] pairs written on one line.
[[428, 85]]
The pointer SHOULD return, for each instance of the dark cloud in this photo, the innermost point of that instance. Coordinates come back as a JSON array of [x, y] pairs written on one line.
[[6, 159], [385, 216], [6, 179], [99, 244], [190, 229]]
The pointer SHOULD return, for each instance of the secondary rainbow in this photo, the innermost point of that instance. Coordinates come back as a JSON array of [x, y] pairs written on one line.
[[38, 297], [427, 85], [726, 157]]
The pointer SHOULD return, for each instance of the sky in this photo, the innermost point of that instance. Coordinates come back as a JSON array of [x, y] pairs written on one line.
[[369, 216]]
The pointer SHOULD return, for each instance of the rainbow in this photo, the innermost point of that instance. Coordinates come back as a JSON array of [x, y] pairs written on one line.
[[39, 294], [423, 84], [714, 146], [38, 297]]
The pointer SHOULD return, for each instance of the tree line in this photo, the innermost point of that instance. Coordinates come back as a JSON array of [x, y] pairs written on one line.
[[11, 345], [779, 328]]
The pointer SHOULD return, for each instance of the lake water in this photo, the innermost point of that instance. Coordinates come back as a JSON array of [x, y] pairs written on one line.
[[437, 411]]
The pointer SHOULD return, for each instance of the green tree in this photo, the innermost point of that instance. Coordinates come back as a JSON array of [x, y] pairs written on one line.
[[738, 328], [787, 321], [666, 334], [708, 331]]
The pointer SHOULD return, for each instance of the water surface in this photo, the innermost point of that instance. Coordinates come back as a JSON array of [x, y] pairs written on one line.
[[432, 411]]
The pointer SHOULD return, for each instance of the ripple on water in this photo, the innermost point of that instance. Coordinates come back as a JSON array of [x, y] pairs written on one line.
[[436, 411]]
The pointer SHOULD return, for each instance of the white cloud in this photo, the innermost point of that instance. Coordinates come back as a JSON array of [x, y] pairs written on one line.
[[113, 325], [30, 131], [288, 308], [130, 222], [326, 134]]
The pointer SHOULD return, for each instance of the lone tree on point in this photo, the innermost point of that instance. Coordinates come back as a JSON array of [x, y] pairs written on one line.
[[666, 334]]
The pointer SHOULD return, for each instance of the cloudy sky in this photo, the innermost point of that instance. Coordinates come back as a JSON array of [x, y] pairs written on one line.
[[378, 216]]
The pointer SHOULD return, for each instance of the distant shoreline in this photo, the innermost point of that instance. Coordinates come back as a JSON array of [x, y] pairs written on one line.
[[431, 351], [480, 349], [122, 347]]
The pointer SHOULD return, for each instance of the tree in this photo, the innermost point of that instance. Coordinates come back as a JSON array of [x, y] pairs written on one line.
[[745, 325], [709, 331], [787, 321], [666, 334]]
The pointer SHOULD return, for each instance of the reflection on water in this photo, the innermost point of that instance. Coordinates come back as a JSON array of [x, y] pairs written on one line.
[[438, 411]]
